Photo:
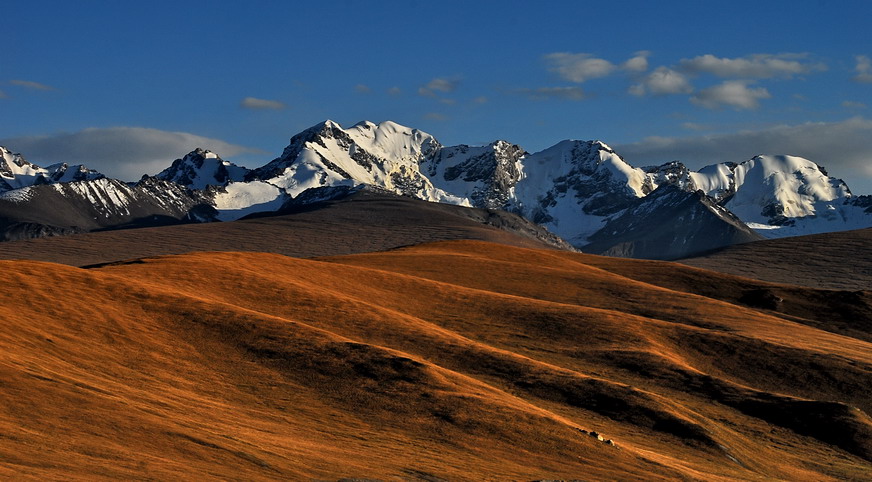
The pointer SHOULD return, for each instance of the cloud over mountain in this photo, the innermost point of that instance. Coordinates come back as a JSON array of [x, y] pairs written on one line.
[[842, 147], [122, 152]]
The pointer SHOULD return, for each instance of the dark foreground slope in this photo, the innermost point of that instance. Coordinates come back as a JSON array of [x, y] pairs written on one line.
[[840, 260], [363, 222], [455, 360]]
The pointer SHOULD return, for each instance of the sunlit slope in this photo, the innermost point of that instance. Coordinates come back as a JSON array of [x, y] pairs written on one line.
[[458, 360]]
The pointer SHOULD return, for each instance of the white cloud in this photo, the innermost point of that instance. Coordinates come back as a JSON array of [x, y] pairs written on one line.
[[638, 63], [395, 91], [578, 67], [853, 105], [362, 89], [863, 69], [758, 66], [439, 84], [842, 147], [693, 126], [435, 116], [29, 84], [662, 81], [254, 103], [733, 93], [122, 152], [2, 95], [544, 93], [442, 85], [480, 100]]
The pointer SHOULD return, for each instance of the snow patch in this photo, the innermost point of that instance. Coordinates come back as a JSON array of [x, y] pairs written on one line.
[[240, 199]]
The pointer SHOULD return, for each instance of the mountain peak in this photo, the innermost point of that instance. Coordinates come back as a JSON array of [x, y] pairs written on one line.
[[203, 153], [650, 226], [325, 125], [773, 189], [201, 168]]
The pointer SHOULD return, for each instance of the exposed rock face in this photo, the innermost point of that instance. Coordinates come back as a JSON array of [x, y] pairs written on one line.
[[387, 155], [863, 202], [17, 173], [300, 142], [674, 173], [572, 187], [485, 175], [201, 168], [80, 206]]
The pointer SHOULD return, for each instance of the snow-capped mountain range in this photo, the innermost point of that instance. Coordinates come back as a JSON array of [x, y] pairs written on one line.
[[582, 191], [16, 173]]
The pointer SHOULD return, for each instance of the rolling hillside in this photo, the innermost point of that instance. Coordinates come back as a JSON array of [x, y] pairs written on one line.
[[460, 360], [838, 261], [365, 221]]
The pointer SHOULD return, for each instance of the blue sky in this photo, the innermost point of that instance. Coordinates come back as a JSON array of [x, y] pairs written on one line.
[[127, 87]]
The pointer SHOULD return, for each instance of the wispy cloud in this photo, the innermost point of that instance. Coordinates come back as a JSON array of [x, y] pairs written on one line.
[[545, 93], [2, 95], [863, 69], [693, 126], [732, 93], [480, 100], [254, 103], [439, 84], [662, 81], [123, 152], [29, 84], [758, 66], [362, 89], [853, 105], [435, 116], [842, 147], [578, 67], [395, 91]]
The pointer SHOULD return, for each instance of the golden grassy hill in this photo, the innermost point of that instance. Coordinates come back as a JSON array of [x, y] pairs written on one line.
[[453, 360]]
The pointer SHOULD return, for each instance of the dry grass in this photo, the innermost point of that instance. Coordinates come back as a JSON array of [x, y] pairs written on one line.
[[362, 223], [838, 261], [455, 360]]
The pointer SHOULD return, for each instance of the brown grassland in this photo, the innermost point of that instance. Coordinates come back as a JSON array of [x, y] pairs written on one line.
[[838, 260], [450, 360]]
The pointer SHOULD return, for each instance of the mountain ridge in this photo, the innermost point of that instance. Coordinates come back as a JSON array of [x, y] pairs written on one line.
[[575, 189]]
